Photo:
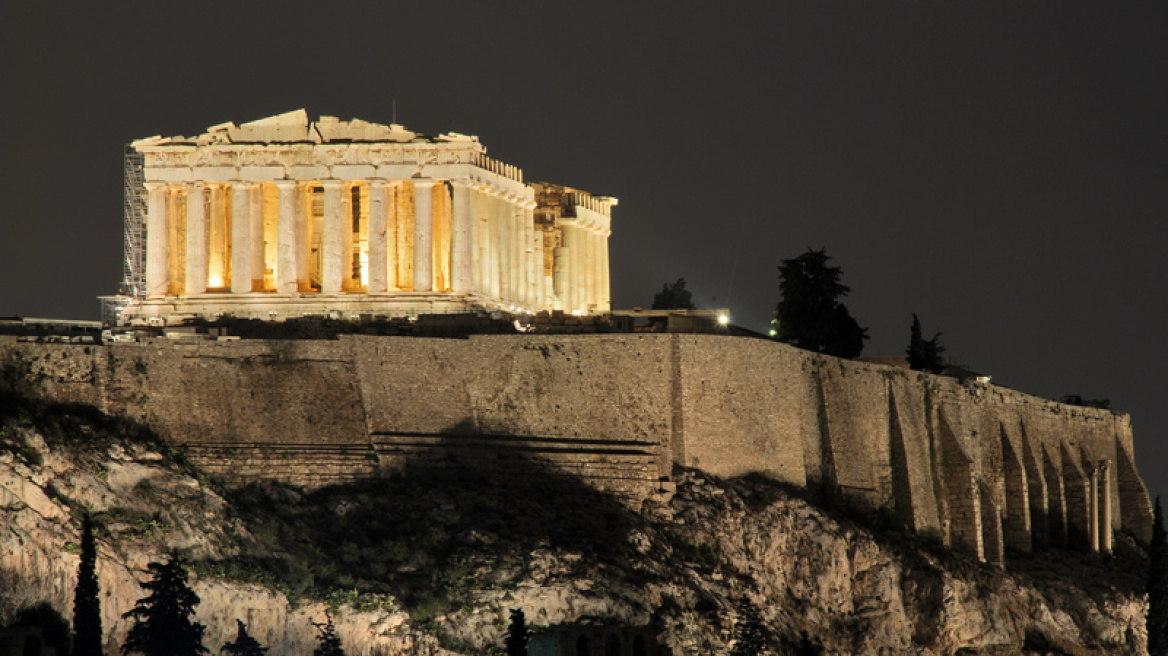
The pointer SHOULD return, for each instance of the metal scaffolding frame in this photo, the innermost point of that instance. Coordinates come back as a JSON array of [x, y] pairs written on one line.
[[134, 228]]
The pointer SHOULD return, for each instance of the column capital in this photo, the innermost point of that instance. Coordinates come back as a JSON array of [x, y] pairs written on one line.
[[331, 184], [423, 182], [285, 184], [152, 185], [465, 183]]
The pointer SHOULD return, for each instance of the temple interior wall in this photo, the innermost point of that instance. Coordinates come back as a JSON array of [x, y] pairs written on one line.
[[982, 467]]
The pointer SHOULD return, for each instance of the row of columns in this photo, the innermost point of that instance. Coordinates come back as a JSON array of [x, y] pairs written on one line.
[[494, 249], [583, 278]]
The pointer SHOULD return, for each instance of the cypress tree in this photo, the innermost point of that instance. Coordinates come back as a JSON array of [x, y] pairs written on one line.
[[244, 644], [748, 632], [329, 643], [86, 604], [1157, 618], [162, 619], [517, 634], [924, 355]]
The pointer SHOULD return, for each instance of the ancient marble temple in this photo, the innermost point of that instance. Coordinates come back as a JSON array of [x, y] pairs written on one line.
[[285, 217]]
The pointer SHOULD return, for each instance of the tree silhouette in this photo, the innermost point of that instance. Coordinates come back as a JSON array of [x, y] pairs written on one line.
[[86, 604], [673, 297], [329, 643], [810, 315], [1157, 618], [748, 633], [162, 619], [517, 634], [924, 355], [244, 644]]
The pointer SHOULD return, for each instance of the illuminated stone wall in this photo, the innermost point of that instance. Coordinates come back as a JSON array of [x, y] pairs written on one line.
[[983, 468]]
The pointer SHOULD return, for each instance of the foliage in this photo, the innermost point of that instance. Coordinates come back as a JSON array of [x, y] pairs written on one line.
[[244, 644], [517, 634], [86, 604], [1157, 618], [328, 642], [162, 619], [924, 355], [749, 639], [810, 315], [673, 297]]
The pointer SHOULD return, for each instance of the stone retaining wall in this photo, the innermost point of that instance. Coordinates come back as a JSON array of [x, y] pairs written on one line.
[[981, 466]]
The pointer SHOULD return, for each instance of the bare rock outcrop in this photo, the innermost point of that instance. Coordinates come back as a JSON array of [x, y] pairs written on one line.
[[682, 565]]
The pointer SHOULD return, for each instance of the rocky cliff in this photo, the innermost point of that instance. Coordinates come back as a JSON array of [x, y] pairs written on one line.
[[430, 561]]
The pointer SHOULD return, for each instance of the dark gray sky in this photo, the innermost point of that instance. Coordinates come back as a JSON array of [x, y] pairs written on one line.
[[999, 168]]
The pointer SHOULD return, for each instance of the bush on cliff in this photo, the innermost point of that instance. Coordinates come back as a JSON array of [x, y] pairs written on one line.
[[244, 644]]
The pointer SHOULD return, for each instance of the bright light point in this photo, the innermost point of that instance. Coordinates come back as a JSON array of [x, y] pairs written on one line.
[[723, 319], [773, 332]]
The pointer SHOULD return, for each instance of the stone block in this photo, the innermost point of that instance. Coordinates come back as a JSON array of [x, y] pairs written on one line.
[[261, 173]]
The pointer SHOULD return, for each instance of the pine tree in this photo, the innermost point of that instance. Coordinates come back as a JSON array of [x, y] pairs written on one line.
[[810, 315], [748, 633], [1157, 618], [673, 297], [329, 643], [162, 619], [86, 604], [517, 634], [244, 644], [924, 355]]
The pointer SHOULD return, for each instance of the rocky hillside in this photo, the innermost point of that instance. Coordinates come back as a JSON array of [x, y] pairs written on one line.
[[430, 562]]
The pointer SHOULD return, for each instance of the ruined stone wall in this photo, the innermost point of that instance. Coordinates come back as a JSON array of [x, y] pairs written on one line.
[[983, 467]]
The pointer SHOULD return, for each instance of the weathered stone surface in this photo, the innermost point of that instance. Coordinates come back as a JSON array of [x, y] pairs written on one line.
[[969, 463]]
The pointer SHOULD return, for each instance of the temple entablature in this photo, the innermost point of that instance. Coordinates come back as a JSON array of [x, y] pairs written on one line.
[[286, 217]]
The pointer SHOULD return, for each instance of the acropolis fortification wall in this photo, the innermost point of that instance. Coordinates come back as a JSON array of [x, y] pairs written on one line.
[[980, 466]]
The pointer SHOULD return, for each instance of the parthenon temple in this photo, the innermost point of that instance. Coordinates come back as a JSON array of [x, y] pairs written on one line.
[[285, 217]]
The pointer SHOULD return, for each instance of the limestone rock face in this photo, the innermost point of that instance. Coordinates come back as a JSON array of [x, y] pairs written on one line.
[[682, 565]]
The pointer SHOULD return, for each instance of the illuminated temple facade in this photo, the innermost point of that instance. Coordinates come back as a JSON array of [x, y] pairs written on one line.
[[285, 217]]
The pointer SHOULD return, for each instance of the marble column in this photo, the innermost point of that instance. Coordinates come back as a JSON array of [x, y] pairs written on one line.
[[506, 228], [346, 197], [332, 239], [605, 285], [529, 250], [258, 255], [423, 234], [561, 271], [157, 260], [378, 242], [392, 281], [590, 285], [1094, 509], [218, 237], [461, 258], [518, 262], [1105, 502], [478, 246], [494, 235], [303, 210], [196, 274], [241, 250], [286, 265]]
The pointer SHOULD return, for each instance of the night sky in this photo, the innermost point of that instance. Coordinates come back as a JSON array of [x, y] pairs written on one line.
[[999, 168]]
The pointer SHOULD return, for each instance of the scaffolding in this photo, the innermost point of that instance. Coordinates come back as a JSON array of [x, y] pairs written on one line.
[[134, 228]]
